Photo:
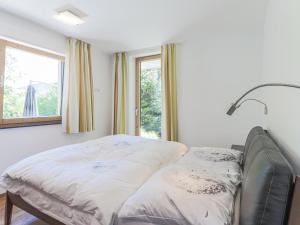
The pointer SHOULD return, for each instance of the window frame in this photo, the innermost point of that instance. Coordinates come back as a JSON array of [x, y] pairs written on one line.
[[23, 122], [138, 62]]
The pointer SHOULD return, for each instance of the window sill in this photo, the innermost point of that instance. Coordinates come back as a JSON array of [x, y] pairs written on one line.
[[30, 122]]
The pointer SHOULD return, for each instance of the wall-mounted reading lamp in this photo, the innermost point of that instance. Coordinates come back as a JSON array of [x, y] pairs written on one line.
[[236, 105]]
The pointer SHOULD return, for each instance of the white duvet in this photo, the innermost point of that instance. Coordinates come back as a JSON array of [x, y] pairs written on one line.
[[94, 177], [198, 189]]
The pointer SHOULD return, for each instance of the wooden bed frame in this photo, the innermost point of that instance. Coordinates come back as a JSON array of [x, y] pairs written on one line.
[[16, 200], [294, 215]]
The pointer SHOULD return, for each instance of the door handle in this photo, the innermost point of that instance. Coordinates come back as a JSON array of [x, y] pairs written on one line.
[[136, 111], [2, 81]]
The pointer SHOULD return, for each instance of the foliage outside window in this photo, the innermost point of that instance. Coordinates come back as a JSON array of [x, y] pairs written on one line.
[[30, 91]]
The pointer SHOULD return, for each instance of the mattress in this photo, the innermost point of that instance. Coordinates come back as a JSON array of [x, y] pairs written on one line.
[[88, 182]]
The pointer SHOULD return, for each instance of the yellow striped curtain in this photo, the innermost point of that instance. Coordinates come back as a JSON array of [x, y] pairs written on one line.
[[169, 86], [120, 93], [78, 116]]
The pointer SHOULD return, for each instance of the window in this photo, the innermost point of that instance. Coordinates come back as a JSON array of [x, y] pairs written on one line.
[[148, 97], [30, 87]]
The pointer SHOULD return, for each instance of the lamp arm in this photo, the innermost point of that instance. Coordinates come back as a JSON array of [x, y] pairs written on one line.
[[266, 85], [233, 107]]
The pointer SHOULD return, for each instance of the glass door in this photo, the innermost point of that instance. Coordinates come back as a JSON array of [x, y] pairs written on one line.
[[148, 97]]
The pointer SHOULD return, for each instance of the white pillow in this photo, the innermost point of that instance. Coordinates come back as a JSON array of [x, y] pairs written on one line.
[[221, 161], [215, 154]]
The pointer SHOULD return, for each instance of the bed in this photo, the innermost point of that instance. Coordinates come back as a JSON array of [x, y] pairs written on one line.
[[145, 182]]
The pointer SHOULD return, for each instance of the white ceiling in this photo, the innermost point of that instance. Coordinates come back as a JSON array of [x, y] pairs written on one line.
[[119, 25]]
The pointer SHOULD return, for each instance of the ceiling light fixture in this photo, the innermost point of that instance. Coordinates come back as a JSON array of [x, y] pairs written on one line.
[[69, 18]]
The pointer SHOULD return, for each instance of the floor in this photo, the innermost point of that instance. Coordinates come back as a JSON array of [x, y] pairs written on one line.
[[19, 216]]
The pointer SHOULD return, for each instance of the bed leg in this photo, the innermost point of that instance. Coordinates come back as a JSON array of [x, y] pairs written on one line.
[[8, 210]]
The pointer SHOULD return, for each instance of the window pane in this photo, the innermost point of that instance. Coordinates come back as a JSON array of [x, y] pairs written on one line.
[[151, 99], [31, 85]]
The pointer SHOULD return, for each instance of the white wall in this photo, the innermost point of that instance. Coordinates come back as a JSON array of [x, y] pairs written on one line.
[[214, 69], [281, 64], [18, 143]]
